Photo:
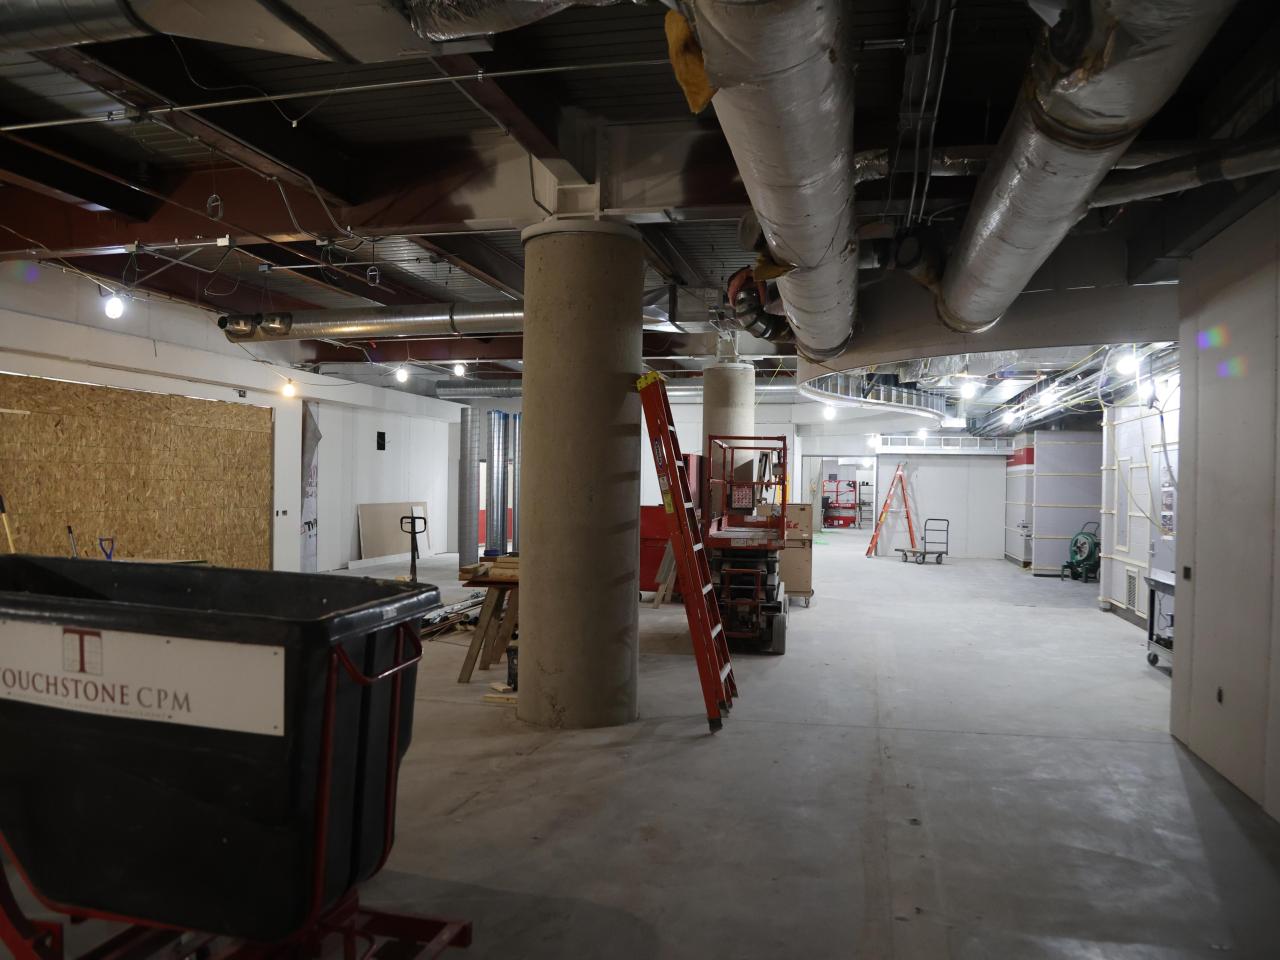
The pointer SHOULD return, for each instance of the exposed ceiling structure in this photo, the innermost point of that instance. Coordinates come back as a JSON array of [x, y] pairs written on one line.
[[346, 160]]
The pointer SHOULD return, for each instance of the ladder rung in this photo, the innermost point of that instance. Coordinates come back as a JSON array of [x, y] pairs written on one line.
[[726, 670], [716, 629], [697, 546], [707, 588], [688, 504]]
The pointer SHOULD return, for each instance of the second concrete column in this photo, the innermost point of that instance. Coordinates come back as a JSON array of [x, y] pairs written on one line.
[[580, 476]]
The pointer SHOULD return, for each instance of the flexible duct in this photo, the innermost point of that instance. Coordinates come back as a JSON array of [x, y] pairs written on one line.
[[1103, 70], [785, 104], [495, 538], [513, 433], [424, 320], [469, 488]]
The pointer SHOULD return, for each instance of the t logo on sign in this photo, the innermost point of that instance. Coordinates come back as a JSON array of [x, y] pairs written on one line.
[[81, 651]]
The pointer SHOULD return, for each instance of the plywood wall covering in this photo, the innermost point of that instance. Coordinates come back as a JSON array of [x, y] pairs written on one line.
[[170, 478]]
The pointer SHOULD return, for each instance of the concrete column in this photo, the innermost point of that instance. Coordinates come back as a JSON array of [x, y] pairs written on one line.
[[728, 409], [580, 475]]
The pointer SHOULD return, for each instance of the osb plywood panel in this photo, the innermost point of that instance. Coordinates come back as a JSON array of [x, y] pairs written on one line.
[[170, 478]]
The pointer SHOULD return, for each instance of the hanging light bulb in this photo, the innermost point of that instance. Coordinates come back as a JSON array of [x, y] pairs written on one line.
[[968, 390], [114, 307], [1127, 363], [459, 369], [828, 412], [289, 390], [402, 374]]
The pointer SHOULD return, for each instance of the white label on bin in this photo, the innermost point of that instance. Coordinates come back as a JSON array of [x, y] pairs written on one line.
[[142, 676]]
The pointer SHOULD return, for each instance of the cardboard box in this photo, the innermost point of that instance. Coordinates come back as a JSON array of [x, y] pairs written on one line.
[[795, 563], [799, 520]]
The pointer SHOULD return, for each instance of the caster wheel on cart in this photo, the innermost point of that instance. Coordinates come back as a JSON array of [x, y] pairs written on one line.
[[938, 558], [778, 635], [1153, 659], [921, 559]]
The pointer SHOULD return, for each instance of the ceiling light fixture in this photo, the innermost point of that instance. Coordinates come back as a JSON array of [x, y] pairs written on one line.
[[828, 412], [402, 374], [289, 390], [1047, 396], [968, 389], [1010, 416], [459, 370], [114, 307], [1127, 364], [922, 433], [1146, 389]]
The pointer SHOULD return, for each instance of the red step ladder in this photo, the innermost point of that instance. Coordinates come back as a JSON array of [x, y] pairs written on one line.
[[710, 647], [899, 482]]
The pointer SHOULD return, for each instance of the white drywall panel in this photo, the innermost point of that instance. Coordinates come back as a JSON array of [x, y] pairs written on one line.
[[967, 490]]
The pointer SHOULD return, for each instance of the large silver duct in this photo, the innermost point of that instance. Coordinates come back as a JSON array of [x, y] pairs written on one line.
[[513, 434], [422, 320], [1096, 78], [469, 488], [495, 516], [785, 103]]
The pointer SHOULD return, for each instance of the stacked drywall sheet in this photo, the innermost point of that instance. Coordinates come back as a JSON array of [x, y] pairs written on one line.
[[381, 534], [1066, 493], [796, 560], [1018, 480]]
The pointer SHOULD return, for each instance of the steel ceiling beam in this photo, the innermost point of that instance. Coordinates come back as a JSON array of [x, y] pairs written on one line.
[[473, 256], [187, 284], [55, 173], [334, 276], [144, 77]]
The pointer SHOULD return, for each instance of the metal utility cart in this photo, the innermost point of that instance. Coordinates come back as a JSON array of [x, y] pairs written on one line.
[[743, 543], [935, 543], [209, 757]]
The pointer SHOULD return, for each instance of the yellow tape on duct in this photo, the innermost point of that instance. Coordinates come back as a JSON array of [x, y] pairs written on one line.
[[686, 61]]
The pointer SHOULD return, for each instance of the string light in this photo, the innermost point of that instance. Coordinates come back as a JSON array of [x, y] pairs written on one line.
[[402, 375], [459, 370], [289, 390], [1010, 416], [828, 412], [1127, 363], [968, 389], [922, 433], [114, 307]]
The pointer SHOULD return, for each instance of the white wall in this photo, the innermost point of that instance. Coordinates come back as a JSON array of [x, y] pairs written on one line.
[[52, 325], [1226, 660], [967, 490], [414, 466]]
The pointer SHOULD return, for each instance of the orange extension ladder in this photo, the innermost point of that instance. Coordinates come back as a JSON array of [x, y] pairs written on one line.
[[899, 482], [710, 647]]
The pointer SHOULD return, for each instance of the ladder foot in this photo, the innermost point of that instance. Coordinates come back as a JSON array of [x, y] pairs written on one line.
[[715, 723], [724, 706]]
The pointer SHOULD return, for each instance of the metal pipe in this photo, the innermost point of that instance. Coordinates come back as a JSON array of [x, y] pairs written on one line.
[[478, 76], [469, 488], [1095, 79], [1184, 173], [510, 389], [421, 320], [785, 104], [514, 435], [495, 507]]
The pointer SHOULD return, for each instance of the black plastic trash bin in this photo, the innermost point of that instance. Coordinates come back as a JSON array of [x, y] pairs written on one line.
[[198, 747]]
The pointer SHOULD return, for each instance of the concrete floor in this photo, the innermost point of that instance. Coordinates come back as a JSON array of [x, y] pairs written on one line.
[[950, 762]]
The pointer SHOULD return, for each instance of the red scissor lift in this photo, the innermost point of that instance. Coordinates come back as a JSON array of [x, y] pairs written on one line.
[[743, 545]]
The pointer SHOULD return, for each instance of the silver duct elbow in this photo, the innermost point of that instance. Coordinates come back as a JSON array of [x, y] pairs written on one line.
[[1103, 70], [785, 103]]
